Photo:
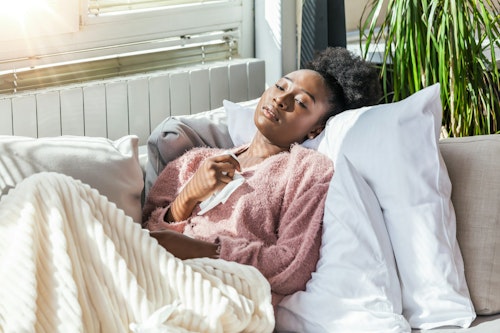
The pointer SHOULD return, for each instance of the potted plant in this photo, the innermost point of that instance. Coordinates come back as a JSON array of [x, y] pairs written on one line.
[[448, 41]]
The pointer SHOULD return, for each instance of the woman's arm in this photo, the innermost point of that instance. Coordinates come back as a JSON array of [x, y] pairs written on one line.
[[212, 175], [184, 183], [184, 247]]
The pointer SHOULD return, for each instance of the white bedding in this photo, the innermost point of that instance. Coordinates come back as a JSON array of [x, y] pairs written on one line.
[[70, 261]]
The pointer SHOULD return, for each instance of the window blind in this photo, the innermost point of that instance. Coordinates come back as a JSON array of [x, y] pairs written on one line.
[[176, 33], [193, 51], [97, 7]]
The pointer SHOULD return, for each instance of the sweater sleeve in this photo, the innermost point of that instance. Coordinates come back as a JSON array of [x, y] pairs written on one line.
[[168, 186], [289, 261]]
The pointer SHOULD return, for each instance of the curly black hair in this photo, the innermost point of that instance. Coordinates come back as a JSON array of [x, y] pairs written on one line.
[[353, 82]]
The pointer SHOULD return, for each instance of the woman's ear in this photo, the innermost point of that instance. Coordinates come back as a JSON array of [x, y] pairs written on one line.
[[315, 132]]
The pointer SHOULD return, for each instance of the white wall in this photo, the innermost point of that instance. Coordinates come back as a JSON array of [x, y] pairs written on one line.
[[276, 37], [354, 11], [276, 33]]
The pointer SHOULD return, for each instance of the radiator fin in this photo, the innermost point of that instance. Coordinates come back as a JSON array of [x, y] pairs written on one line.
[[132, 104]]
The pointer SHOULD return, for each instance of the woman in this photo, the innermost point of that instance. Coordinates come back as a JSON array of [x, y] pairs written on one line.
[[273, 220]]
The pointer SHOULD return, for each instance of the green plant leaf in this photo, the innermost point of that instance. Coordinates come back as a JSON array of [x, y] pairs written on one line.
[[448, 41]]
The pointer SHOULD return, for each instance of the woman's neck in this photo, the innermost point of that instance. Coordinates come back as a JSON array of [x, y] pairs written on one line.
[[258, 150]]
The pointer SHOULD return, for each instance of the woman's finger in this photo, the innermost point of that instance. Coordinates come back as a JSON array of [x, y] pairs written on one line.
[[226, 177], [228, 158]]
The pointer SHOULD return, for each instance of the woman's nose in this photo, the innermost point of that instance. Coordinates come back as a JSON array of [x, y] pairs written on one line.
[[282, 101]]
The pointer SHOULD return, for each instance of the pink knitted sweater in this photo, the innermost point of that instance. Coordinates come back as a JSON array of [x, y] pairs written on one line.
[[272, 221]]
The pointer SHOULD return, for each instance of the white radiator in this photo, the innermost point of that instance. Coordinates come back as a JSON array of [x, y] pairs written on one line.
[[130, 105]]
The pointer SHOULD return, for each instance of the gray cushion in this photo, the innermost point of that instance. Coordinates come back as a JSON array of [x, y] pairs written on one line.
[[176, 134], [473, 165]]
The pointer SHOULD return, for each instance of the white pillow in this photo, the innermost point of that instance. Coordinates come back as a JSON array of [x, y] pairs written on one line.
[[355, 287], [395, 148], [335, 131], [240, 123], [111, 167]]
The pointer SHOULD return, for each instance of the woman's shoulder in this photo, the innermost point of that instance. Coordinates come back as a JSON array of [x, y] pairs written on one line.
[[308, 155], [310, 163]]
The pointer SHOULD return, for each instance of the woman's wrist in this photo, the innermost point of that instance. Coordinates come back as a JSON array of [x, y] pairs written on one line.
[[180, 209]]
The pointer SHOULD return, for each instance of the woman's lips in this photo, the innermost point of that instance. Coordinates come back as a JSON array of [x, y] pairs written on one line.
[[270, 113]]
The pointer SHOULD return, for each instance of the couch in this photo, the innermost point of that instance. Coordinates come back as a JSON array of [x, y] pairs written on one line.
[[470, 162]]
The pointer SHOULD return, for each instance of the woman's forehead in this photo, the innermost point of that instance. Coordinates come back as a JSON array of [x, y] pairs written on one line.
[[308, 73], [309, 80], [306, 77]]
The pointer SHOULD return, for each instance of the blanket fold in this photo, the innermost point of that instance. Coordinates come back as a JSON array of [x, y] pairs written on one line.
[[71, 261]]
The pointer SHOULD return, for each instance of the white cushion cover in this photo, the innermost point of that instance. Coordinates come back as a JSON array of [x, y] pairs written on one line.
[[111, 167], [240, 123], [355, 287], [395, 148]]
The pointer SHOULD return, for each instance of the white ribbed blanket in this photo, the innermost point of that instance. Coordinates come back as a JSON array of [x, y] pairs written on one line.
[[70, 261]]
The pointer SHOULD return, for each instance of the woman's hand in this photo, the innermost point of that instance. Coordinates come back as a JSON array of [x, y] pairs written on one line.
[[184, 247], [213, 174]]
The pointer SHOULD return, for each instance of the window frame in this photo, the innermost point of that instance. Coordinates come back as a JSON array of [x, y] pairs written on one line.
[[132, 31]]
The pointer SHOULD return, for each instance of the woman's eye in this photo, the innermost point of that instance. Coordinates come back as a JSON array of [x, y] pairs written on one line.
[[279, 87], [300, 103]]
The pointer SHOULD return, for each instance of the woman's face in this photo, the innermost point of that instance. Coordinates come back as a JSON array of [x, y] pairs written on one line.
[[293, 109]]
